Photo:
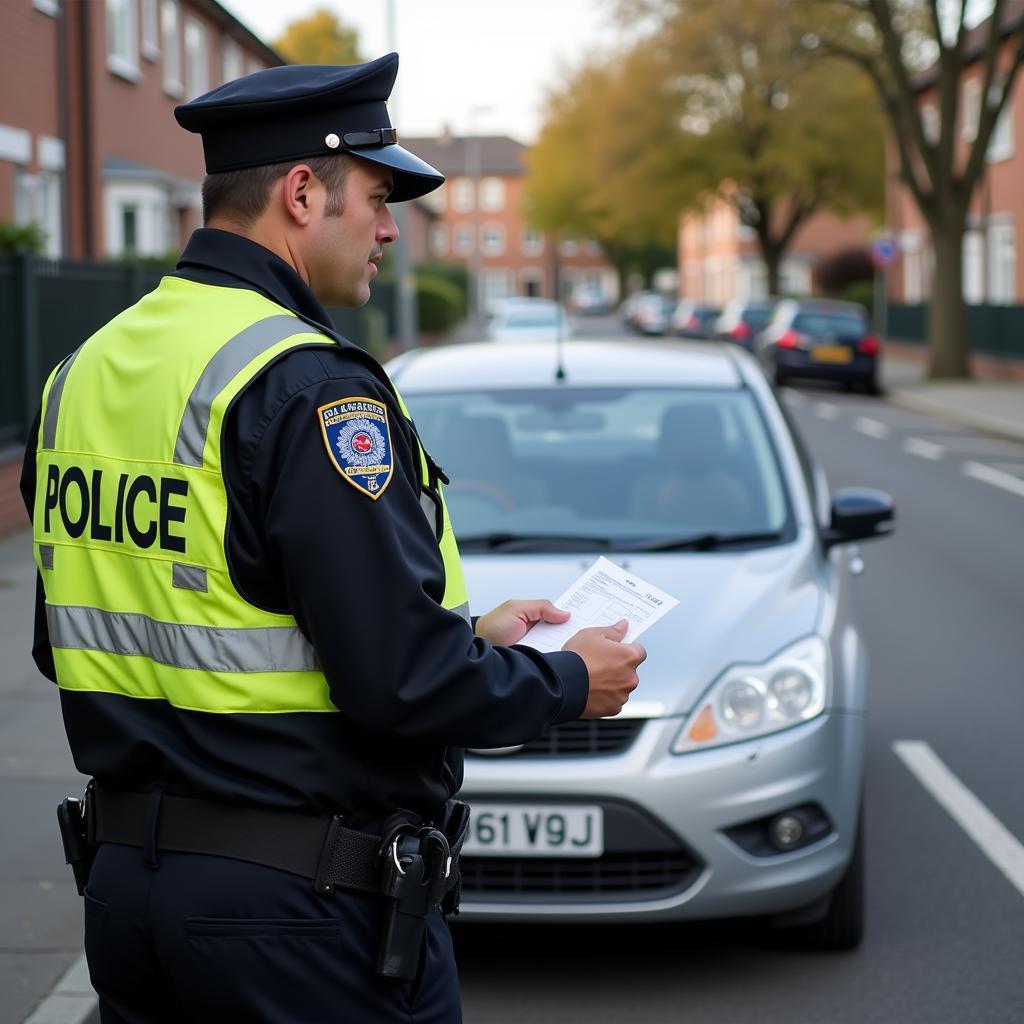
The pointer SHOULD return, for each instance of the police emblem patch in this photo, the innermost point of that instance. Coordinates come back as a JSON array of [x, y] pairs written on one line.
[[358, 441]]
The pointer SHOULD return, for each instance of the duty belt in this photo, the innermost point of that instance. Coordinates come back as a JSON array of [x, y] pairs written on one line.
[[321, 849]]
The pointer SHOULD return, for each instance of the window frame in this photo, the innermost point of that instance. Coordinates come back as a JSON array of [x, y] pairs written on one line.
[[123, 64]]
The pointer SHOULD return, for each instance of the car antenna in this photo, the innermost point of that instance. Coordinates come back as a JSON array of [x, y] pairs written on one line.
[[559, 339]]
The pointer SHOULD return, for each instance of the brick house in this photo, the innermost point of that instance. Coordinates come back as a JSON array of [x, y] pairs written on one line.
[[991, 271], [719, 258], [514, 259], [89, 148]]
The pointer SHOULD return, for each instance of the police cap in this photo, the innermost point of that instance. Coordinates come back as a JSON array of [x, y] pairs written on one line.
[[299, 111]]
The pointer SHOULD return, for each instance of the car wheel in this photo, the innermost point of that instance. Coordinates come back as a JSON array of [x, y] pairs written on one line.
[[841, 927], [779, 377]]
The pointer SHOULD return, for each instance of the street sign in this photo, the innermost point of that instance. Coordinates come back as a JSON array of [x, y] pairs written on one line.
[[883, 252]]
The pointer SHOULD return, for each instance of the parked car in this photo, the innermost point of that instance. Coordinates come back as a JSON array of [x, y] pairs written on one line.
[[692, 319], [590, 300], [628, 307], [822, 339], [528, 320], [743, 319], [652, 313], [731, 784]]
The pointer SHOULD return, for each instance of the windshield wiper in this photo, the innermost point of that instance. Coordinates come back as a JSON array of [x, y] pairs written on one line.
[[705, 541], [531, 542]]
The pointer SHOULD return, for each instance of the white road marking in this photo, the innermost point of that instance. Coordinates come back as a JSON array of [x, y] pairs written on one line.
[[794, 398], [71, 1001], [926, 449], [993, 838], [826, 410], [988, 447], [873, 428], [995, 477]]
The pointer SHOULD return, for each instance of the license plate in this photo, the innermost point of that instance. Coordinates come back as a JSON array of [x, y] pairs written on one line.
[[832, 354], [535, 830]]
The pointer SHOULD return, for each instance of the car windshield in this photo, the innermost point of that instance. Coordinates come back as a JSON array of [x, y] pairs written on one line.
[[841, 326], [585, 468]]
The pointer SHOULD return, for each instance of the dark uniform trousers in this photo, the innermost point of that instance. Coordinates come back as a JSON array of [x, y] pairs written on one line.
[[195, 939]]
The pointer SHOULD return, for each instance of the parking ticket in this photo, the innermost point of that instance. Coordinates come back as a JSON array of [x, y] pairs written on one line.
[[604, 594]]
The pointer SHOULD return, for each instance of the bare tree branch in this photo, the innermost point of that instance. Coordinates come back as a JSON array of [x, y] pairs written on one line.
[[906, 98], [987, 123]]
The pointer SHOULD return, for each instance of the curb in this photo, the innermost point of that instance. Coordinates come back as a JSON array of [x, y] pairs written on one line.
[[995, 425], [71, 1001]]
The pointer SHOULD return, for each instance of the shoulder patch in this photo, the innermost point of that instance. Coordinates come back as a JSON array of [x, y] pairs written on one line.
[[358, 440]]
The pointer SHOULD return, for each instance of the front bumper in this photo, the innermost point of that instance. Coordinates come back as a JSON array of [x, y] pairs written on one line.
[[680, 807]]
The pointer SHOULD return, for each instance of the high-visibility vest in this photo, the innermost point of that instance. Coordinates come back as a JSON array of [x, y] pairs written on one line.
[[131, 509]]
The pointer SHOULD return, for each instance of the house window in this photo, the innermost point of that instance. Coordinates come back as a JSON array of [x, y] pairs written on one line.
[[492, 194], [122, 39], [568, 247], [931, 122], [129, 230], [170, 30], [1002, 263], [971, 110], [492, 238], [232, 60], [439, 240], [150, 30], [533, 242], [974, 267], [912, 260], [1000, 145], [50, 7], [464, 239], [196, 65], [462, 195]]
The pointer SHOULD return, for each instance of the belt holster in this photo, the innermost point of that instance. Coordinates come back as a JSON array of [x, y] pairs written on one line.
[[76, 821], [419, 873]]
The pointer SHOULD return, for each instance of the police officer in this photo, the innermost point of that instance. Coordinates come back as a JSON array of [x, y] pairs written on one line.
[[252, 603]]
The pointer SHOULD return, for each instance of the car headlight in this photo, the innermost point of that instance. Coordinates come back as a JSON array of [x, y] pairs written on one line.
[[754, 700]]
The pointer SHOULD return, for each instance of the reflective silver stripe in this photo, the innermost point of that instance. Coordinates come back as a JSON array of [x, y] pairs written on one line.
[[46, 556], [268, 649], [53, 401], [463, 610], [188, 577], [432, 511], [230, 359]]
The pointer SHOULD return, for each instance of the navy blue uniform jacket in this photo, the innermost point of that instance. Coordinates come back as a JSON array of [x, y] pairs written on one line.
[[363, 579]]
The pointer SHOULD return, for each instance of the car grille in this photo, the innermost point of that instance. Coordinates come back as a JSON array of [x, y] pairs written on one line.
[[621, 875], [583, 739]]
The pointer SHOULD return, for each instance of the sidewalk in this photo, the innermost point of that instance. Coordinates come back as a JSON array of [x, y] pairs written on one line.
[[993, 406]]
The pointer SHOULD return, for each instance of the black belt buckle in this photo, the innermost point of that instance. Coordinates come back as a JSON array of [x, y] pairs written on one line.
[[76, 821], [416, 865]]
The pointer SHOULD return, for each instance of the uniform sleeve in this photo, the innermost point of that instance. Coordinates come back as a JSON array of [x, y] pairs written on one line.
[[42, 653], [364, 579]]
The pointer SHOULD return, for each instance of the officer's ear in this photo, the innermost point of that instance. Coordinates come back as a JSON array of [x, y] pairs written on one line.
[[299, 186]]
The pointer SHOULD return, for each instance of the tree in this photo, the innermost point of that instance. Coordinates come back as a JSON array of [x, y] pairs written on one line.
[[905, 47], [319, 39], [709, 98]]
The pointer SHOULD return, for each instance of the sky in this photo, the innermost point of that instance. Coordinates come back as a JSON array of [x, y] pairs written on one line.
[[473, 65]]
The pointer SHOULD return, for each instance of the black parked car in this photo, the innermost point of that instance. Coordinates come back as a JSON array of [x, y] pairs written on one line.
[[822, 339], [743, 319]]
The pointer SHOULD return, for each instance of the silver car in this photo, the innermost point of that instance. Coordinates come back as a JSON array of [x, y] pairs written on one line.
[[731, 783]]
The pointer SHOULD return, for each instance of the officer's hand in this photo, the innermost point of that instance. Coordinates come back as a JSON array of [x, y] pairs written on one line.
[[611, 665], [509, 622]]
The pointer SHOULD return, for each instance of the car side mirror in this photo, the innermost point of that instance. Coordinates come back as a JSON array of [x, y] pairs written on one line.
[[859, 513]]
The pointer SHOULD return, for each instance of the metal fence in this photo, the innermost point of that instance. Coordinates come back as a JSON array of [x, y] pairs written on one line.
[[49, 307], [992, 330]]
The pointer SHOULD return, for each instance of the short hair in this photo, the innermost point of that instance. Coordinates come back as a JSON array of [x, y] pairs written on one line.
[[242, 196]]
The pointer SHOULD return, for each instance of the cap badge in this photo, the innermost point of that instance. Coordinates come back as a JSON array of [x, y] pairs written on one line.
[[332, 141]]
